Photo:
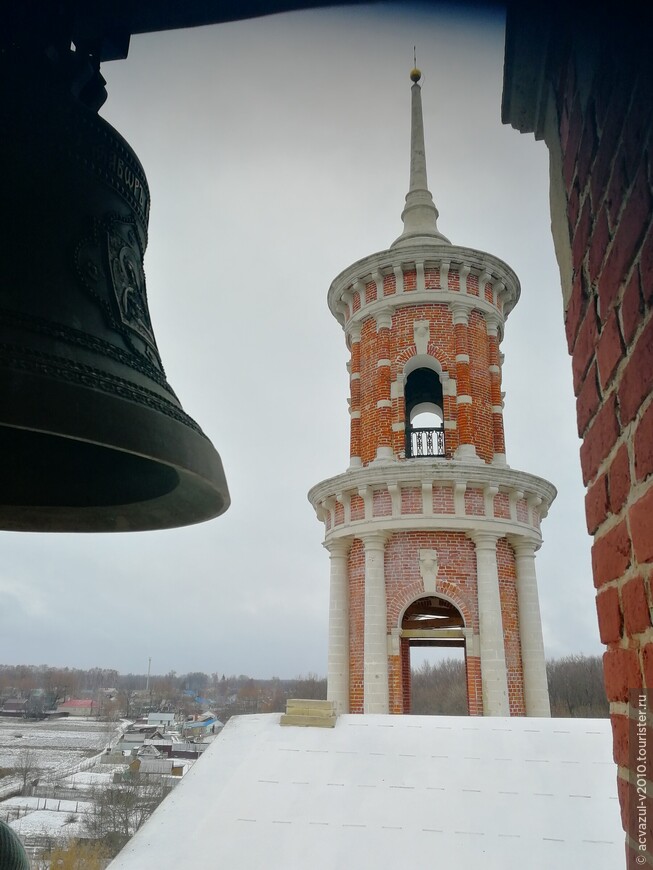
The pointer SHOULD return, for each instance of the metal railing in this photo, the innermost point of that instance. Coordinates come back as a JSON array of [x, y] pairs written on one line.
[[424, 442]]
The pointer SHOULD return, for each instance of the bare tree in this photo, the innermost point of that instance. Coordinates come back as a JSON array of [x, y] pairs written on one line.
[[439, 689], [576, 687], [122, 808], [27, 767]]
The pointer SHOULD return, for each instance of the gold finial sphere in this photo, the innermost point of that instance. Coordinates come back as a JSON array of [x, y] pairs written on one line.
[[415, 75]]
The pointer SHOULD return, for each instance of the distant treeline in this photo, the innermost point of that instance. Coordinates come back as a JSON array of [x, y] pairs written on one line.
[[24, 679], [575, 687]]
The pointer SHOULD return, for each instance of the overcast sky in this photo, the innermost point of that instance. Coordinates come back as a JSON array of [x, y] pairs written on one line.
[[277, 153]]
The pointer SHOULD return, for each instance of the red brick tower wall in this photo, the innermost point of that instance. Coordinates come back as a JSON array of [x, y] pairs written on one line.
[[356, 570], [372, 383], [605, 106]]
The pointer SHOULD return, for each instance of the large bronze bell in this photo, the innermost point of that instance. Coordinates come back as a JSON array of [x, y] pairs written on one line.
[[92, 437]]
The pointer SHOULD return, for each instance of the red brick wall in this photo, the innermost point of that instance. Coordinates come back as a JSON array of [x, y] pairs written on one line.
[[605, 113], [374, 427], [356, 567], [474, 686], [510, 616], [457, 581]]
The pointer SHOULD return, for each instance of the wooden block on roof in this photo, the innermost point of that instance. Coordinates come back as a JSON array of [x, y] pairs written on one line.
[[308, 712]]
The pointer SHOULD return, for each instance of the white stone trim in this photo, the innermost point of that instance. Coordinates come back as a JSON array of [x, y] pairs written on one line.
[[345, 500], [382, 362], [463, 273], [420, 284], [489, 491], [355, 376], [449, 385], [421, 336], [514, 496], [497, 409], [494, 676], [536, 690], [466, 453], [492, 323], [429, 297], [444, 275], [441, 471], [365, 492], [533, 501], [427, 498], [354, 331], [450, 424], [428, 569], [377, 277], [437, 523], [376, 697], [329, 504], [463, 400], [483, 279], [338, 649], [399, 280], [494, 369], [395, 496], [472, 642], [383, 319], [355, 415], [384, 454], [460, 311], [462, 358], [384, 403], [398, 427], [498, 291], [396, 259], [421, 361], [459, 490]]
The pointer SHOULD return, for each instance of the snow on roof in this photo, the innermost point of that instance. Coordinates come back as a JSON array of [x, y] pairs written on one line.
[[501, 794]]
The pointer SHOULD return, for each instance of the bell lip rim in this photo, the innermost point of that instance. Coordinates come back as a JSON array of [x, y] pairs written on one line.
[[201, 494]]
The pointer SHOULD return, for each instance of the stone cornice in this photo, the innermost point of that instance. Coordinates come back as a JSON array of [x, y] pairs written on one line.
[[415, 297], [417, 472], [386, 262], [497, 528]]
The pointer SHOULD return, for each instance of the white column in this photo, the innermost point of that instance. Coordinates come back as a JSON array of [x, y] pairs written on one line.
[[338, 654], [375, 650], [494, 677], [536, 687]]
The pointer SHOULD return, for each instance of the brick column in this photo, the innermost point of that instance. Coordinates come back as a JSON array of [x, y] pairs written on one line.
[[465, 421], [495, 392], [493, 658], [375, 644], [536, 687], [338, 655], [355, 446], [383, 397]]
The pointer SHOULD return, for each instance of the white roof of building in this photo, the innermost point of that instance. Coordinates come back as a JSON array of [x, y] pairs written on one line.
[[379, 790]]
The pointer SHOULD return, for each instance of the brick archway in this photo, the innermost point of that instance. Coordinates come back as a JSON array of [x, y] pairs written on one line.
[[431, 621]]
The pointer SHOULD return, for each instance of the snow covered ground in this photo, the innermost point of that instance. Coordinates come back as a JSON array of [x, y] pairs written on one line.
[[89, 779], [56, 744], [48, 823], [15, 804]]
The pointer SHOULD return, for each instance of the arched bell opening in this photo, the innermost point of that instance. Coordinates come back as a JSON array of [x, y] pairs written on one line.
[[424, 414], [435, 622]]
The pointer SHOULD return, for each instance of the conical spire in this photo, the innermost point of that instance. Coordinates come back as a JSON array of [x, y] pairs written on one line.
[[420, 216]]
